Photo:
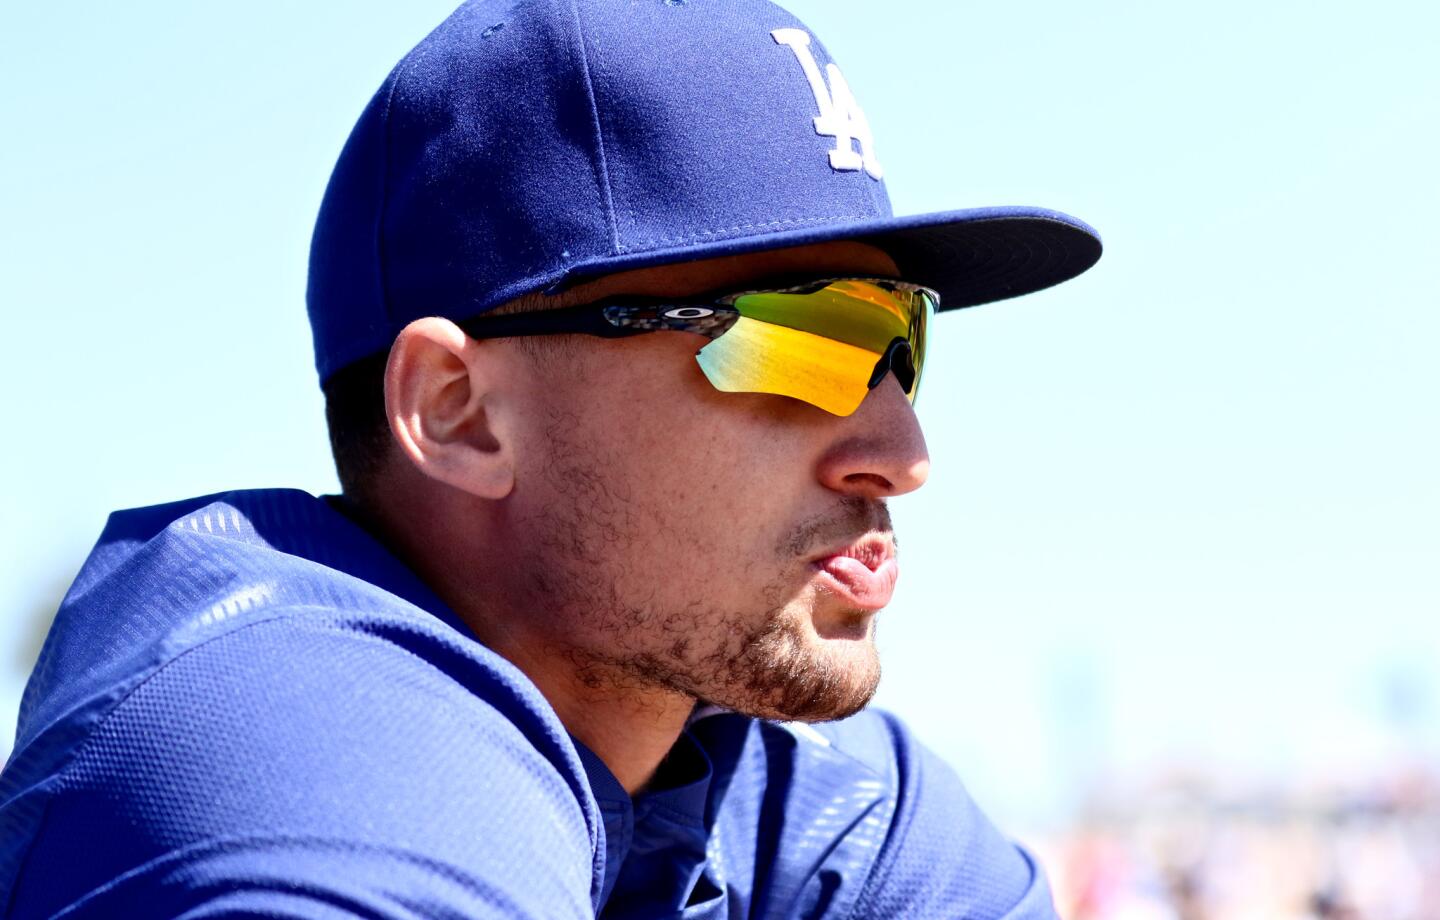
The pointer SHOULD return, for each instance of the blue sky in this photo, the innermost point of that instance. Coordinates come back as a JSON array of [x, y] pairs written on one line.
[[1182, 509]]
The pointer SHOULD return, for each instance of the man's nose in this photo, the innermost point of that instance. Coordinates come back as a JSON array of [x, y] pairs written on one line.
[[879, 450]]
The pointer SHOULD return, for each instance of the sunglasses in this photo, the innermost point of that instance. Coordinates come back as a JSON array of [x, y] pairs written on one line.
[[827, 342]]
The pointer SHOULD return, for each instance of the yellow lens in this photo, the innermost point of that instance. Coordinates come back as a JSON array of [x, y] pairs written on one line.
[[759, 357], [821, 346], [855, 312]]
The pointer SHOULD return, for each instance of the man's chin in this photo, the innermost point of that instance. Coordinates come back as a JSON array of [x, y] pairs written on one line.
[[846, 626], [834, 681], [813, 709]]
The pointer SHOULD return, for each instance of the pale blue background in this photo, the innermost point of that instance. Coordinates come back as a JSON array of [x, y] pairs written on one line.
[[1183, 509]]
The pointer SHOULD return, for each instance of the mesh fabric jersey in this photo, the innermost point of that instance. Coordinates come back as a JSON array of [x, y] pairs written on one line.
[[248, 707]]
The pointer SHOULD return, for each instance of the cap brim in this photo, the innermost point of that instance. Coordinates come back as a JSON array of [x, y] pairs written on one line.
[[970, 257]]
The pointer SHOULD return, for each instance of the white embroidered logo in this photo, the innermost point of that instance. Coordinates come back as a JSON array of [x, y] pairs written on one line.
[[840, 115]]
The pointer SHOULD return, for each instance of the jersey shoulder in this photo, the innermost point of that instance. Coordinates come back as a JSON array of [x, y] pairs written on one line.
[[353, 759], [941, 855]]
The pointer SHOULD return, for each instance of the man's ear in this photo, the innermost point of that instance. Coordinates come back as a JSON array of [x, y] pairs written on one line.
[[447, 409]]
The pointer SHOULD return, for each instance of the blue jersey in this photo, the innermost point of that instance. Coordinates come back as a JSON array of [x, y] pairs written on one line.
[[248, 707]]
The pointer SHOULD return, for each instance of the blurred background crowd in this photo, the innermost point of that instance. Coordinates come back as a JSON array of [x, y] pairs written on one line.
[[1204, 848]]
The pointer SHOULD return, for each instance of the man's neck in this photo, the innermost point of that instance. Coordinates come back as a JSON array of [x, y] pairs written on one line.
[[631, 731], [630, 726]]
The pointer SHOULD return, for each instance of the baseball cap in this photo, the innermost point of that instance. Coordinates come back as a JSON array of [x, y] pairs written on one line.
[[527, 145]]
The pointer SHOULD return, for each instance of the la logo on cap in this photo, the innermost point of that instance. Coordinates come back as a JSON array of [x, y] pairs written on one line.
[[840, 115]]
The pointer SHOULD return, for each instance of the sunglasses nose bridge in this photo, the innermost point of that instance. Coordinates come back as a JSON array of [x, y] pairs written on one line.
[[900, 358]]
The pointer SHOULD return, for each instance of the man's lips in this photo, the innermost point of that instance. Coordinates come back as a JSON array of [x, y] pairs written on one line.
[[862, 574]]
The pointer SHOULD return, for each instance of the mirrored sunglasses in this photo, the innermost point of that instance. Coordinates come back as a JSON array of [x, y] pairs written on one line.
[[827, 342]]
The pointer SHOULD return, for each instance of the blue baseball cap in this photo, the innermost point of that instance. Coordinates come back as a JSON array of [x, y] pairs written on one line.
[[526, 145]]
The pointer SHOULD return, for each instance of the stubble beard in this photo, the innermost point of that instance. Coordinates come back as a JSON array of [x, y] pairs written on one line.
[[770, 666], [777, 673]]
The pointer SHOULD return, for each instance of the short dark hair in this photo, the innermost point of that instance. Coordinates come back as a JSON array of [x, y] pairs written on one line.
[[355, 415], [360, 436]]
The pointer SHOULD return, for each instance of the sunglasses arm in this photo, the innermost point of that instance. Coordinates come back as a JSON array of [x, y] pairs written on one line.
[[608, 320], [584, 320]]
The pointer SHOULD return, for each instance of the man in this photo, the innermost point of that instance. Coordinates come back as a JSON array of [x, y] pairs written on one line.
[[618, 339]]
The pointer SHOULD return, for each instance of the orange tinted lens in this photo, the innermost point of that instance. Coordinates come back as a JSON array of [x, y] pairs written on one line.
[[819, 346]]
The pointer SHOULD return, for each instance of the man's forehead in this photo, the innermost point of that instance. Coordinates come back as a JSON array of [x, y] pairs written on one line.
[[686, 278]]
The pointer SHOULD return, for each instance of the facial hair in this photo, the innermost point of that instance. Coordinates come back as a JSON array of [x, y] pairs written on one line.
[[764, 661]]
